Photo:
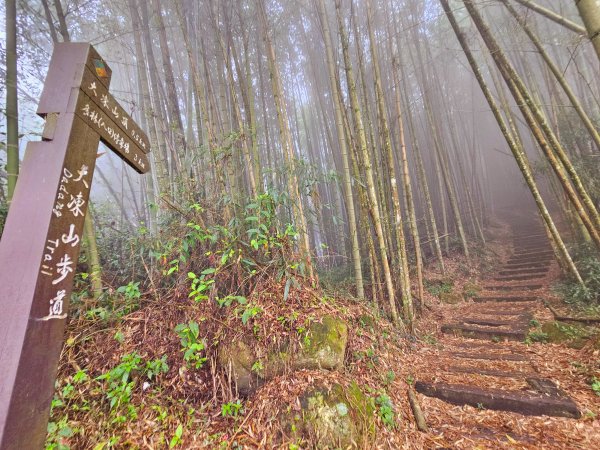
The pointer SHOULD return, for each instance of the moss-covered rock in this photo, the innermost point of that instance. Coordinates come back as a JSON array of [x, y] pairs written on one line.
[[451, 298], [470, 290], [337, 417], [573, 336], [238, 359], [323, 347]]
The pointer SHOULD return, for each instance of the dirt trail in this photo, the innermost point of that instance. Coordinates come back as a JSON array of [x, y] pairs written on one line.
[[482, 361]]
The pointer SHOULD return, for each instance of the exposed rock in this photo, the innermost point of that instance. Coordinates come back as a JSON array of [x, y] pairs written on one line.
[[573, 336], [238, 359], [336, 418], [324, 347], [451, 298], [471, 289]]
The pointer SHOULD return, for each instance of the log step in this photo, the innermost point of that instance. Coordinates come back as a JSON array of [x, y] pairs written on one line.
[[492, 356], [531, 249], [528, 260], [527, 287], [532, 265], [530, 276], [496, 399], [512, 298], [545, 386], [487, 322], [530, 237], [532, 253], [490, 372], [474, 332], [494, 312], [523, 271]]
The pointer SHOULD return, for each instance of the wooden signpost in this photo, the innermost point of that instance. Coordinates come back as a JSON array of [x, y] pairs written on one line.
[[42, 236]]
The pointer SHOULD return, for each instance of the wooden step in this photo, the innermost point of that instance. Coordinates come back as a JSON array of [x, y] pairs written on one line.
[[533, 254], [531, 249], [531, 270], [493, 310], [476, 332], [528, 260], [509, 298], [491, 356], [528, 238], [525, 287], [496, 399], [490, 372], [529, 265], [486, 322], [531, 276]]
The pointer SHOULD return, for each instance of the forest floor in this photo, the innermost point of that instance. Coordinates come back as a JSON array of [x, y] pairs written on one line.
[[505, 365], [175, 406]]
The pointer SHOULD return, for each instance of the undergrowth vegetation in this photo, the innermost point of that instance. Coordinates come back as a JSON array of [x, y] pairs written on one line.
[[585, 296], [151, 344]]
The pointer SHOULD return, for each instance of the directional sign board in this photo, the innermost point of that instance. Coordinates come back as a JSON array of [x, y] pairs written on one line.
[[43, 231]]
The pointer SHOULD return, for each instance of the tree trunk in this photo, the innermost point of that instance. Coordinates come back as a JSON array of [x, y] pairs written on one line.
[[372, 194], [12, 106], [62, 22], [589, 10], [558, 75], [286, 142], [535, 119], [391, 167], [553, 16], [517, 151]]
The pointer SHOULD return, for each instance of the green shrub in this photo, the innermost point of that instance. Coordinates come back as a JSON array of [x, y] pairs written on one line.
[[588, 263]]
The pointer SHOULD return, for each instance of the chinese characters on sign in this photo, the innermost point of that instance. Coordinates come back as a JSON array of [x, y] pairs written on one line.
[[43, 232], [58, 261]]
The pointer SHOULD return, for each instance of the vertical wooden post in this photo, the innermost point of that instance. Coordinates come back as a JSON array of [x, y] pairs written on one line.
[[42, 236]]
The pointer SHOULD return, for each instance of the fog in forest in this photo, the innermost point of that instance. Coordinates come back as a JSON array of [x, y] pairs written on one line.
[[383, 151]]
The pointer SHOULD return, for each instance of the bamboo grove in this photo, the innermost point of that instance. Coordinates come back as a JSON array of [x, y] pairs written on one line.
[[380, 122]]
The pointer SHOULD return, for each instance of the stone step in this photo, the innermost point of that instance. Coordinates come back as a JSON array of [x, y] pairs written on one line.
[[525, 287], [514, 357], [496, 399], [476, 332]]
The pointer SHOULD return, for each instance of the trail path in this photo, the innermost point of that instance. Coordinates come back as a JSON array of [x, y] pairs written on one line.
[[479, 365]]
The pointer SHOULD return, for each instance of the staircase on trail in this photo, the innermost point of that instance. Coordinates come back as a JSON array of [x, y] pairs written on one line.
[[502, 312]]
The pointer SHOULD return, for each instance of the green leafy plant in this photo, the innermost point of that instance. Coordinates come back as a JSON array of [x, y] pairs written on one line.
[[596, 385], [131, 291], [257, 367], [438, 288], [176, 439], [536, 336], [200, 284], [231, 409], [250, 311], [156, 367], [385, 410], [120, 383], [191, 344], [58, 433], [228, 300], [588, 293]]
